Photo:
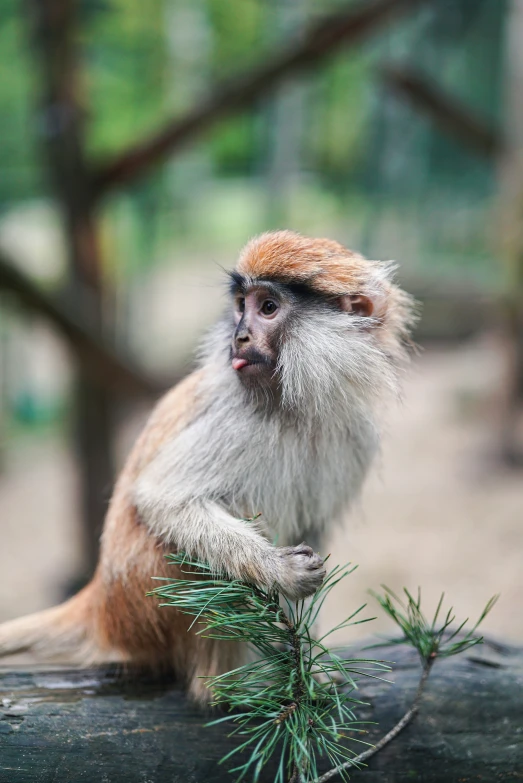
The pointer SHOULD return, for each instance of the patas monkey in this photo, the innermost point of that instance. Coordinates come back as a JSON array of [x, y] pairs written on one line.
[[281, 418]]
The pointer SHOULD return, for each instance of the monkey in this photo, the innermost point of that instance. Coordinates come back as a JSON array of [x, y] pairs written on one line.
[[281, 418]]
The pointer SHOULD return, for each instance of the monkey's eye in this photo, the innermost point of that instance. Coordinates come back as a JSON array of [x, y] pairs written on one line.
[[240, 304], [269, 307]]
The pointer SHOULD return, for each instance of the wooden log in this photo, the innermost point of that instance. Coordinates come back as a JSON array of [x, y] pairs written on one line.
[[75, 726]]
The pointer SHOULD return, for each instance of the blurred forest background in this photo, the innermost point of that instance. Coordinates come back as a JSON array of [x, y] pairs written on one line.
[[141, 144]]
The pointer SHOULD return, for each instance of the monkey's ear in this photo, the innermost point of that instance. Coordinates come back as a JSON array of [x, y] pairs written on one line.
[[358, 304]]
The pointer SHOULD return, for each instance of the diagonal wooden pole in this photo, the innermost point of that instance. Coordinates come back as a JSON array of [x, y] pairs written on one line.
[[101, 361], [446, 111], [342, 29]]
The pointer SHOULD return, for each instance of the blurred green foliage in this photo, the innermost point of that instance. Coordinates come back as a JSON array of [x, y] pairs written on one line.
[[331, 152], [359, 162], [20, 176]]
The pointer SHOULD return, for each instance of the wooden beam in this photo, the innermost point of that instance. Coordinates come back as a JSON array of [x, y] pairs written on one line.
[[510, 244], [55, 34], [342, 29], [103, 363], [449, 114]]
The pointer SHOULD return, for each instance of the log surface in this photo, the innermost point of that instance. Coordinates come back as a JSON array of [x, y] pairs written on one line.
[[62, 726]]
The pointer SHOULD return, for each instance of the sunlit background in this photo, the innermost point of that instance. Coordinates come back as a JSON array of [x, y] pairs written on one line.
[[403, 142]]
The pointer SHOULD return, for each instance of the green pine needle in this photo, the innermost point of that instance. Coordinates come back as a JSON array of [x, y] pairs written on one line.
[[287, 702], [432, 639]]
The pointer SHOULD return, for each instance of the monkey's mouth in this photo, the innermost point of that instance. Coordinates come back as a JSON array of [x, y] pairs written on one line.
[[238, 363], [244, 363], [247, 365]]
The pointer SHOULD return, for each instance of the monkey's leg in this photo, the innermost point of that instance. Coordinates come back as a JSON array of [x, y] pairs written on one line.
[[208, 658]]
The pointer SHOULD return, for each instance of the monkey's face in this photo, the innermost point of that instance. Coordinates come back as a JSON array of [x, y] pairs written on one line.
[[283, 329], [320, 327], [261, 311]]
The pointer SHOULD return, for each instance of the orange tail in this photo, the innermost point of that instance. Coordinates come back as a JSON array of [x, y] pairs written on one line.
[[64, 633]]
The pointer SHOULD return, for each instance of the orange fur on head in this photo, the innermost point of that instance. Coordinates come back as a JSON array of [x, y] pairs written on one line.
[[329, 269], [323, 264]]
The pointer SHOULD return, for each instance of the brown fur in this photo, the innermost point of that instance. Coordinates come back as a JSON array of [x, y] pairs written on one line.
[[112, 619], [125, 618], [322, 263]]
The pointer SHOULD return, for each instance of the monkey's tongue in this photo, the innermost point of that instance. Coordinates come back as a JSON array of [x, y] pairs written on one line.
[[237, 363]]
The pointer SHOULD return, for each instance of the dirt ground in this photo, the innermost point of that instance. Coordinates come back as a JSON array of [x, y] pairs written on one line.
[[437, 512]]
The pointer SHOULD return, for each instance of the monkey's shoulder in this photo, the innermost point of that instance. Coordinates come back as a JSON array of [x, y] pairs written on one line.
[[173, 412]]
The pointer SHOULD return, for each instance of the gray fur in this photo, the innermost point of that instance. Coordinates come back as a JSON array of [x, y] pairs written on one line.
[[299, 460]]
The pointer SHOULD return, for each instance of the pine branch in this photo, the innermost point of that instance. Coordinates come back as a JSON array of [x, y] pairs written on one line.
[[287, 701], [392, 734], [429, 641]]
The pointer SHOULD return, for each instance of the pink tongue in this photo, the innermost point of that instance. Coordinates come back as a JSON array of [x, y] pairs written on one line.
[[237, 364]]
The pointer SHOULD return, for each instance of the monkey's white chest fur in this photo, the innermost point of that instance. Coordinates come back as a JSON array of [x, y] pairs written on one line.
[[299, 476], [300, 481]]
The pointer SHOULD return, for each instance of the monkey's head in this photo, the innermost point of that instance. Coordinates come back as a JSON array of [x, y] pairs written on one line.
[[314, 322]]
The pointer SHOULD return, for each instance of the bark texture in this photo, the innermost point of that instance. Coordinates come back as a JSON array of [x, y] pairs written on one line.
[[74, 726]]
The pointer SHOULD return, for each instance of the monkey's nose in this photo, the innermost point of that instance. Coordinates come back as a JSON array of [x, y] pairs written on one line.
[[242, 338]]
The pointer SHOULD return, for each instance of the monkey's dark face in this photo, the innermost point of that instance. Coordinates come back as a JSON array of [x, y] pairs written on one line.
[[261, 311], [284, 332]]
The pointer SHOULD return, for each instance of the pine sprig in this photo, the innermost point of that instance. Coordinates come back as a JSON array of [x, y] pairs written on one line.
[[287, 700], [431, 640], [435, 638]]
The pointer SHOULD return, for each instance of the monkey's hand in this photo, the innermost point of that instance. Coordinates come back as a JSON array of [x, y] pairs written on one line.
[[299, 571]]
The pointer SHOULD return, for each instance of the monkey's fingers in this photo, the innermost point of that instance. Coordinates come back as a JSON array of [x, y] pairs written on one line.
[[301, 571]]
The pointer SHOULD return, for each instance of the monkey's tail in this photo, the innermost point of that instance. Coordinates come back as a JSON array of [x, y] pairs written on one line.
[[65, 633]]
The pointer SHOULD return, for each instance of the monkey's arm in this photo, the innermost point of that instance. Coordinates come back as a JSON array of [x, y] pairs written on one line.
[[204, 529]]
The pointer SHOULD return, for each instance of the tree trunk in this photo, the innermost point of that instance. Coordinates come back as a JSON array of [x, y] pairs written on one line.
[[511, 241], [73, 726], [62, 122]]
